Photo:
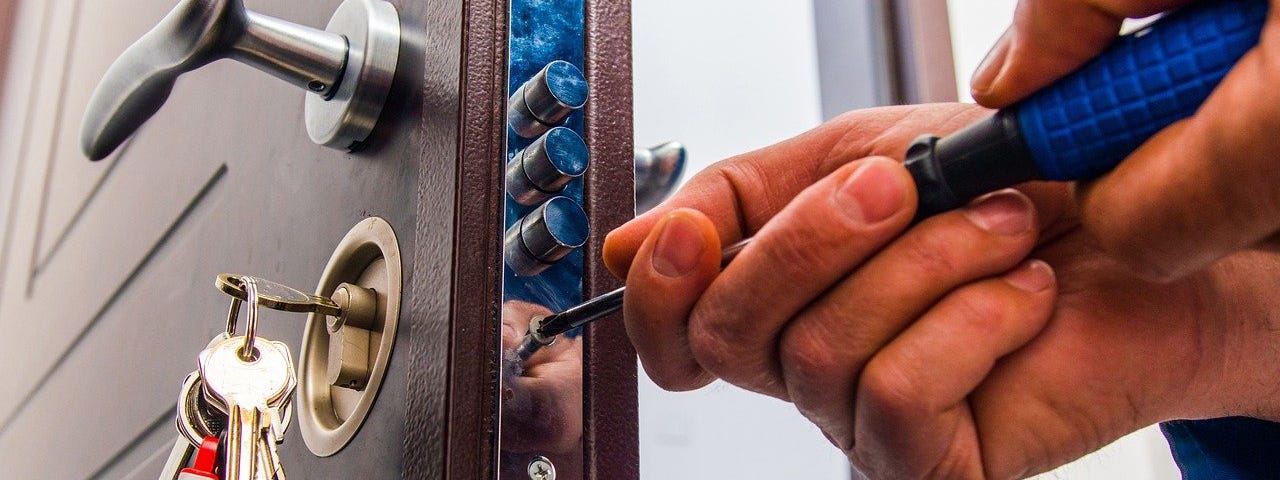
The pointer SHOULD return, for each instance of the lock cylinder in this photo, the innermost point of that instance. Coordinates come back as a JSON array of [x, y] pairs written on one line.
[[543, 237], [543, 168], [547, 99]]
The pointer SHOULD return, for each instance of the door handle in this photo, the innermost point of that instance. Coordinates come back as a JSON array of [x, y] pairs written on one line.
[[347, 68], [658, 171]]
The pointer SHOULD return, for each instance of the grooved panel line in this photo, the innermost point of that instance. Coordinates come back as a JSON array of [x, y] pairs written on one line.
[[197, 200]]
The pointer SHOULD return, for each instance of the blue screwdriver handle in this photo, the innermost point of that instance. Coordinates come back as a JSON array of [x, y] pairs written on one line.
[[1086, 123]]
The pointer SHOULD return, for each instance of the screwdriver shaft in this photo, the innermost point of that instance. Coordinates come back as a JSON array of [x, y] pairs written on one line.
[[604, 305]]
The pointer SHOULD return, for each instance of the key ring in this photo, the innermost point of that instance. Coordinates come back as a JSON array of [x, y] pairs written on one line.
[[233, 316], [247, 351]]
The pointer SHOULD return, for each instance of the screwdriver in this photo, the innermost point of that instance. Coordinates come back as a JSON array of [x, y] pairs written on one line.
[[544, 329], [1078, 128]]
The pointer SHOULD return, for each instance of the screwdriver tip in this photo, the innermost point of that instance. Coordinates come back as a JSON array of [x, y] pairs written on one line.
[[533, 341]]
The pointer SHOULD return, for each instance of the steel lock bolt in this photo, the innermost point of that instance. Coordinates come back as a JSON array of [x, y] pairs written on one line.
[[542, 169], [545, 236], [547, 99], [350, 336]]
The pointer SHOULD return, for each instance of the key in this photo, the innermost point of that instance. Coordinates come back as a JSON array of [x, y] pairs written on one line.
[[196, 418], [276, 296], [271, 467], [253, 385], [256, 414], [200, 416], [178, 458], [206, 458]]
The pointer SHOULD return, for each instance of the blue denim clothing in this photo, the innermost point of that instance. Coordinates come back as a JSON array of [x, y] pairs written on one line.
[[1234, 448]]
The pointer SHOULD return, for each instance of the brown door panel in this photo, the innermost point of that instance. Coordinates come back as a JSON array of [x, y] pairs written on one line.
[[106, 280], [223, 179], [91, 44]]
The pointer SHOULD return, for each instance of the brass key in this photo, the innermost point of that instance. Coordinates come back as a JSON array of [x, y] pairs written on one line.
[[253, 391], [275, 296], [253, 379]]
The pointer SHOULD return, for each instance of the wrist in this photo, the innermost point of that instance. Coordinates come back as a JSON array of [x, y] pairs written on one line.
[[1238, 373]]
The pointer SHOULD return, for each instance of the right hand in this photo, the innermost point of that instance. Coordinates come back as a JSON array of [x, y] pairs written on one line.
[[884, 339]]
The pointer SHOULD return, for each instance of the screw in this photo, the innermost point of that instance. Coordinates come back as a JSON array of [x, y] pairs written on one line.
[[540, 468]]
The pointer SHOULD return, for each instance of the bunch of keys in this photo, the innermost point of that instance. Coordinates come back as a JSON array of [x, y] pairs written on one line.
[[238, 402]]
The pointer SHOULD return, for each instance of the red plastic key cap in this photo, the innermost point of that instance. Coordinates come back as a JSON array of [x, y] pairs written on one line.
[[206, 460]]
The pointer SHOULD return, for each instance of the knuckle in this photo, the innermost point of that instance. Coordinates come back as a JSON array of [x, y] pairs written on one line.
[[891, 389], [808, 358], [712, 344], [929, 250], [798, 250], [742, 177], [979, 310]]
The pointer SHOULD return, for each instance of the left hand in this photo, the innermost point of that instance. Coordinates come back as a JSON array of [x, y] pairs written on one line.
[[542, 398], [937, 352], [1199, 190]]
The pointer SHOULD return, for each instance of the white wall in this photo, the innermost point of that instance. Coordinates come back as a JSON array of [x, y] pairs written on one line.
[[725, 77]]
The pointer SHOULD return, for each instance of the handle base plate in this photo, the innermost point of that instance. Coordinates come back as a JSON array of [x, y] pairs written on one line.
[[372, 30]]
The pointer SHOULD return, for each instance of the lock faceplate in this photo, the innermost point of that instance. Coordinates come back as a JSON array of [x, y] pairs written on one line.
[[329, 415], [540, 414]]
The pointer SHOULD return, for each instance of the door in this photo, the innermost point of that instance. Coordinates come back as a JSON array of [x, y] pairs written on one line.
[[107, 267]]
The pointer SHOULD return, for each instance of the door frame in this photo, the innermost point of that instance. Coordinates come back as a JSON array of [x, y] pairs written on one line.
[[610, 426]]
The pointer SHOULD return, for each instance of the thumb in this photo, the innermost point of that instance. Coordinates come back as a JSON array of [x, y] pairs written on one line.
[[1049, 39], [1203, 188]]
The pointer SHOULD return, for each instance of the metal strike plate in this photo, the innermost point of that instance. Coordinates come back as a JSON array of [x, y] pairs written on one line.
[[540, 421], [345, 358]]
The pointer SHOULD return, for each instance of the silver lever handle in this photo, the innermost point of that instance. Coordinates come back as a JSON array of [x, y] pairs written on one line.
[[658, 171], [198, 32]]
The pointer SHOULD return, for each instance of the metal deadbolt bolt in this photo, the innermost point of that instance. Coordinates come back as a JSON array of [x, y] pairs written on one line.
[[547, 99]]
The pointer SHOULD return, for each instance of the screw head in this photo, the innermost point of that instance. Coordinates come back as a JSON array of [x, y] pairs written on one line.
[[540, 468]]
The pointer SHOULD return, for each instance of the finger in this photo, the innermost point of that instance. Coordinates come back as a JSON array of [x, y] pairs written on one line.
[[912, 414], [824, 349], [1049, 39], [810, 245], [1203, 188], [742, 193], [676, 263]]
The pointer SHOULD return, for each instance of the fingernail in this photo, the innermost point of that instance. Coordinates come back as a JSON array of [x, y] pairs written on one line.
[[872, 194], [988, 70], [1006, 212], [1032, 276], [679, 246]]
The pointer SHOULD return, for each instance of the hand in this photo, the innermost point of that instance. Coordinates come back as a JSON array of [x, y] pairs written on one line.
[[542, 398], [938, 351], [1201, 189]]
